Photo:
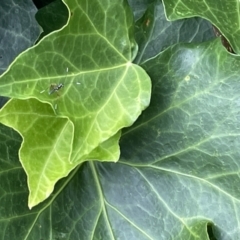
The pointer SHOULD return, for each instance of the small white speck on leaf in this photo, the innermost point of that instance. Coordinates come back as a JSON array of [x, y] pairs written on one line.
[[187, 78]]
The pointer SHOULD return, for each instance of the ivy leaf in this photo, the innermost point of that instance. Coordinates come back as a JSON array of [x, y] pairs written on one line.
[[19, 29], [45, 159], [178, 171], [86, 67], [179, 161], [139, 7], [191, 150], [154, 33], [52, 17], [92, 58], [217, 15]]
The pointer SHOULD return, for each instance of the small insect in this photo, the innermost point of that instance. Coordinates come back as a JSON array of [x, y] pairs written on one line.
[[54, 88]]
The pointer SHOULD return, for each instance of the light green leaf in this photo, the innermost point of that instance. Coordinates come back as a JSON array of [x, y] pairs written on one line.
[[103, 91], [223, 14], [44, 155], [94, 89], [107, 151]]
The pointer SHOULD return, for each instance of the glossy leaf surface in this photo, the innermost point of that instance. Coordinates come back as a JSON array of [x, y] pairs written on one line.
[[224, 15], [177, 177]]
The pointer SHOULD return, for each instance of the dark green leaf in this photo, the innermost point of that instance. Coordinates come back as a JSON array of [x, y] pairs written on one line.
[[52, 17], [139, 7], [18, 31], [154, 33], [177, 177], [223, 14]]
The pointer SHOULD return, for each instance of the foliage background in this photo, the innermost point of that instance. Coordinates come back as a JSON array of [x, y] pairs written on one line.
[[178, 174]]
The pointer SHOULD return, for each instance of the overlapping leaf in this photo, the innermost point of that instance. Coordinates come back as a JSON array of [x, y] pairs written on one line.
[[47, 158], [154, 33], [91, 57], [139, 7], [191, 152], [87, 64], [180, 161], [178, 173], [19, 29], [52, 17], [224, 15]]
